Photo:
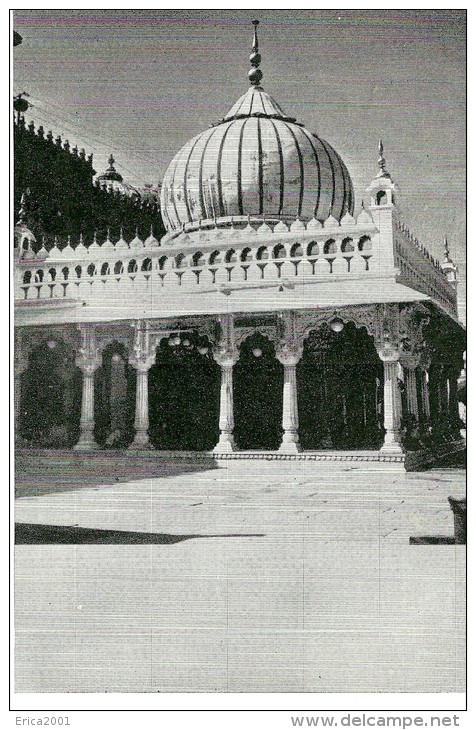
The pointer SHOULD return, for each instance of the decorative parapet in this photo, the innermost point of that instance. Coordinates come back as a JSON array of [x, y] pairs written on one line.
[[419, 270], [57, 143], [210, 256]]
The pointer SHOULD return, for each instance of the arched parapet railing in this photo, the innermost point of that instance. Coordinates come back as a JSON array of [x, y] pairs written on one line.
[[238, 258]]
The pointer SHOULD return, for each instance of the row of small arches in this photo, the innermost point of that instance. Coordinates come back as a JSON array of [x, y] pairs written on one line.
[[67, 274], [197, 259]]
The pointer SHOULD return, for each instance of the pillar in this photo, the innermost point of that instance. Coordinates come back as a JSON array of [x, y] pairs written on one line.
[[226, 361], [141, 421], [410, 363], [88, 361], [142, 359], [425, 395], [392, 406], [289, 357]]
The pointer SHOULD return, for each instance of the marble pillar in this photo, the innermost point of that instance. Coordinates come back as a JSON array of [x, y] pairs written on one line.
[[289, 357]]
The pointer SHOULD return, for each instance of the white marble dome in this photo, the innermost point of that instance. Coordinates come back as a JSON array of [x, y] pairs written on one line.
[[257, 163]]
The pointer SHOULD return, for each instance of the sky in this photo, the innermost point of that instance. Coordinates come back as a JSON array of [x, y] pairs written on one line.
[[141, 83]]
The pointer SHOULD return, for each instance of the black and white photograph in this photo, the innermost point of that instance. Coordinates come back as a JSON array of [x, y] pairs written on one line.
[[239, 365]]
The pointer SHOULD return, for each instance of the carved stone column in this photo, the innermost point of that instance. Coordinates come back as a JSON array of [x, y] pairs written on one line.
[[425, 363], [289, 356], [226, 355], [142, 360], [226, 443], [88, 361], [389, 353], [409, 363]]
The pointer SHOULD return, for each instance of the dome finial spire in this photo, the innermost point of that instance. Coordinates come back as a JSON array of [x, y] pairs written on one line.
[[255, 74]]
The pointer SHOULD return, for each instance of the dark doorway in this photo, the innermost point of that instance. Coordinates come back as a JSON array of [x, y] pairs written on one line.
[[258, 395], [184, 395], [50, 397], [340, 390], [114, 398]]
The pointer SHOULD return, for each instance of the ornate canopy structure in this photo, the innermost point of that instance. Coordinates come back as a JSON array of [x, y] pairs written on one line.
[[271, 319]]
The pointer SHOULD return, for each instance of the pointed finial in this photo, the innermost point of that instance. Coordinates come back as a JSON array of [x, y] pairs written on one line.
[[382, 161], [111, 161], [255, 74], [447, 251]]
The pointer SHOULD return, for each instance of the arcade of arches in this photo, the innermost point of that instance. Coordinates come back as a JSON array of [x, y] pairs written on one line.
[[284, 383]]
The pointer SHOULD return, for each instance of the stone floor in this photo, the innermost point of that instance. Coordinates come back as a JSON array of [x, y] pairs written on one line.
[[277, 577]]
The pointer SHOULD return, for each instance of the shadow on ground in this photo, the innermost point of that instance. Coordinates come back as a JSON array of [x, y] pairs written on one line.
[[30, 534], [39, 473], [451, 461]]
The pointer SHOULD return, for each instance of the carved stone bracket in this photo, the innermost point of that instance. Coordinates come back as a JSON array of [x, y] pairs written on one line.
[[226, 348], [145, 345], [410, 360], [89, 356], [412, 320], [290, 346]]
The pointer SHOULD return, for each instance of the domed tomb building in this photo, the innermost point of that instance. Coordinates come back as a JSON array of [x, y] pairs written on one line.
[[271, 319]]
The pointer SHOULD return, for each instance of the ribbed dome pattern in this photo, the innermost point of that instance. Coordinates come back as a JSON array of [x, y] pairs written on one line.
[[256, 162]]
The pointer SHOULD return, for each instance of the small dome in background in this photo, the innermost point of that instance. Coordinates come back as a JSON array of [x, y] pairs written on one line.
[[113, 180]]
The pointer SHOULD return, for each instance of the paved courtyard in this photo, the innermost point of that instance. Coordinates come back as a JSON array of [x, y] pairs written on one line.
[[257, 576]]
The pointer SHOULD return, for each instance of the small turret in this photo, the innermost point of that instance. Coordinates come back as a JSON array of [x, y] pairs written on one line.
[[382, 189], [448, 267], [23, 236]]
